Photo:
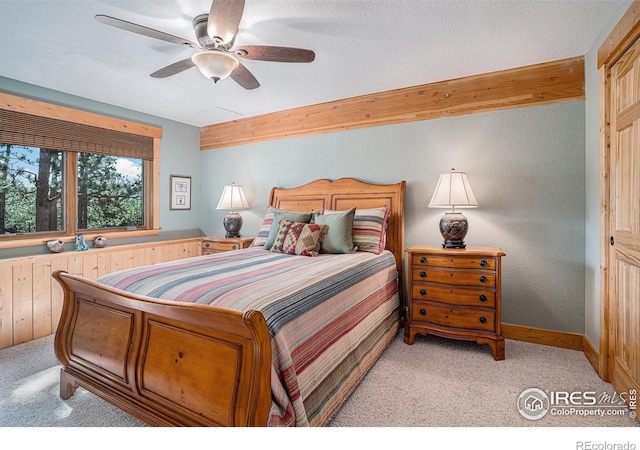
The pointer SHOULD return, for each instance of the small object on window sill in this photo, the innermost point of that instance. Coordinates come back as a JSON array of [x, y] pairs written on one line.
[[100, 242], [81, 245], [133, 228], [56, 246]]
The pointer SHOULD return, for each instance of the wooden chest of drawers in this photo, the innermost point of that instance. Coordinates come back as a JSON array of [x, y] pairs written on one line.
[[216, 244], [455, 293]]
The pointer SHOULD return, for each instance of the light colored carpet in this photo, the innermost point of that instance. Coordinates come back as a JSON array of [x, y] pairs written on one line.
[[439, 382], [433, 383], [30, 388]]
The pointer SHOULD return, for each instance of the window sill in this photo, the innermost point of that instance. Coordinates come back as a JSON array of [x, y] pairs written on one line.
[[32, 242]]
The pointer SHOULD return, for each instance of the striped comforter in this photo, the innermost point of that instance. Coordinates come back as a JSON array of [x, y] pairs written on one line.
[[330, 316]]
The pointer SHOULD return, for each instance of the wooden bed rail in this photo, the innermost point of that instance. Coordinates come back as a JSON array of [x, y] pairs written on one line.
[[152, 358]]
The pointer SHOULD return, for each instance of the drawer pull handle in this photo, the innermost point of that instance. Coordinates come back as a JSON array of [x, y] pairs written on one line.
[[233, 247], [423, 292], [483, 319], [483, 279], [206, 245], [484, 263], [423, 312], [423, 274], [423, 260], [483, 298]]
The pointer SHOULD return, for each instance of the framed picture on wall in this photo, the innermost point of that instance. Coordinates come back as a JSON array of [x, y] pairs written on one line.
[[180, 192]]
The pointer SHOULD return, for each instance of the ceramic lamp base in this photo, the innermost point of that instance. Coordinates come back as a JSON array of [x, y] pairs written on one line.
[[232, 223], [453, 227]]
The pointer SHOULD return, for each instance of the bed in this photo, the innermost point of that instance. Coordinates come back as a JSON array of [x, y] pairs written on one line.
[[253, 337]]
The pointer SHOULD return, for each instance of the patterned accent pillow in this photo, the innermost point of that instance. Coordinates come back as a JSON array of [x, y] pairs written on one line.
[[369, 228], [296, 238], [263, 232], [267, 223], [284, 215]]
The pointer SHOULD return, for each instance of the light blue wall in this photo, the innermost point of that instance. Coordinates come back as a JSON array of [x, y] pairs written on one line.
[[535, 174], [179, 155], [592, 146], [526, 167]]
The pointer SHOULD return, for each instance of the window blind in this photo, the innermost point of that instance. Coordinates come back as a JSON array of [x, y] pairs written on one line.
[[17, 128]]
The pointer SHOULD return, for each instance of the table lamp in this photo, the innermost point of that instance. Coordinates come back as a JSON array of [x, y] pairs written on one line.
[[453, 191], [232, 199]]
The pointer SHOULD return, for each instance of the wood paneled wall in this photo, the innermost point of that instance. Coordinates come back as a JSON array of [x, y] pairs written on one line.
[[31, 300]]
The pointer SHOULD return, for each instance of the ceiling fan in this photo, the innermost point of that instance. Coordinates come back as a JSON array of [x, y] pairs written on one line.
[[216, 33]]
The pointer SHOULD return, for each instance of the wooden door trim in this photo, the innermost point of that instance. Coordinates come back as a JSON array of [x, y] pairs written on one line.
[[603, 366], [621, 38], [624, 34]]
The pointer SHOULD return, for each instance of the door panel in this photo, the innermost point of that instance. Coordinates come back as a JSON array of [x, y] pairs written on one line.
[[624, 194]]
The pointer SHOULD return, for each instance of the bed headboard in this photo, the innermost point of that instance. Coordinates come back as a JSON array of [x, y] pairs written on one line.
[[346, 193]]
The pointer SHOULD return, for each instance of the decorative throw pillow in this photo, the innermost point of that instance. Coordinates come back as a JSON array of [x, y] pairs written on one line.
[[369, 228], [263, 232], [267, 223], [284, 215], [339, 238], [296, 238]]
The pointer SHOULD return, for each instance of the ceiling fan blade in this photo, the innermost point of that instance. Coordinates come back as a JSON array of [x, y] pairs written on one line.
[[145, 31], [277, 54], [224, 19], [244, 78], [173, 69]]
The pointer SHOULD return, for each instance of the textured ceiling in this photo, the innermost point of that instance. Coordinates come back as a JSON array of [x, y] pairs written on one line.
[[361, 46]]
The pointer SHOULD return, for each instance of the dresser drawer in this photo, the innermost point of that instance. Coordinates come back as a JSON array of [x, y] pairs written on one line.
[[454, 295], [457, 277], [456, 262], [222, 246], [453, 316]]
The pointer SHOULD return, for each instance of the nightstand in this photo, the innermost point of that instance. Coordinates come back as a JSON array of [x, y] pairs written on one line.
[[216, 244], [455, 293]]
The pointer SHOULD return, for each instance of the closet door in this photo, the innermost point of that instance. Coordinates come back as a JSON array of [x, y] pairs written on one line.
[[624, 248]]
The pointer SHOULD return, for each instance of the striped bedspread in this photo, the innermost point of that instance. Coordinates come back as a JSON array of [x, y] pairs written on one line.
[[330, 316]]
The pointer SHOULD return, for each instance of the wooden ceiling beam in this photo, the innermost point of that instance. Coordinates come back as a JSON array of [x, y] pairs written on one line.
[[539, 84]]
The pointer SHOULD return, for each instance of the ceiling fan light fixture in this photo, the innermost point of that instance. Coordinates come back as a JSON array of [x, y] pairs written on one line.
[[215, 64]]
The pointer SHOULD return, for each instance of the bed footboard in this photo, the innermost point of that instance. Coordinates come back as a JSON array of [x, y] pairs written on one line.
[[165, 363]]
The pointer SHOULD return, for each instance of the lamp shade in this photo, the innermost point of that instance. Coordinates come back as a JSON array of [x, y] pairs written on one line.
[[453, 191], [215, 64], [233, 198]]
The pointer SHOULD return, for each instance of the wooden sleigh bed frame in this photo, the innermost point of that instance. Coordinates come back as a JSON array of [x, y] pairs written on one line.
[[153, 358]]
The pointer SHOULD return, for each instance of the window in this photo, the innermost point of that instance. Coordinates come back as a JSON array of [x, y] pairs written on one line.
[[71, 172], [31, 190], [110, 192]]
